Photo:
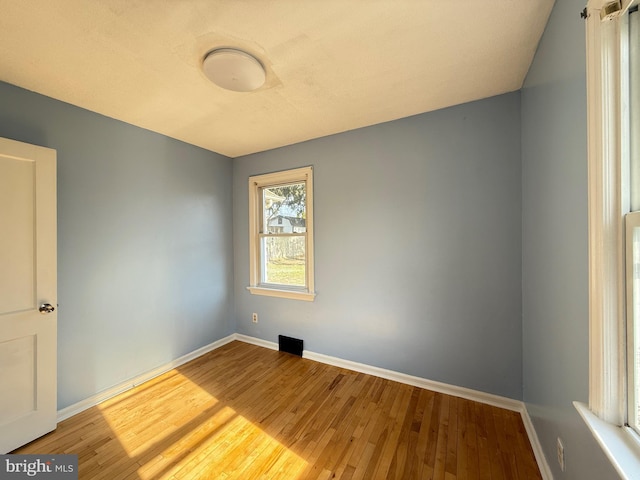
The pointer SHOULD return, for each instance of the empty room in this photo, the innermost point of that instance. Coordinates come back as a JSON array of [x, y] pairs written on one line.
[[357, 239]]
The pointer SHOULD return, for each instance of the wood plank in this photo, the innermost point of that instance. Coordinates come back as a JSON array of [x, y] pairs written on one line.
[[422, 452], [243, 411]]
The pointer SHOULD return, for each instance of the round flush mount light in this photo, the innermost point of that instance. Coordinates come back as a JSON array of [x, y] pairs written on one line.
[[234, 70]]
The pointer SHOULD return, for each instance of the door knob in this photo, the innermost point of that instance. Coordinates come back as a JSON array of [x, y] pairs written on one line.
[[46, 308]]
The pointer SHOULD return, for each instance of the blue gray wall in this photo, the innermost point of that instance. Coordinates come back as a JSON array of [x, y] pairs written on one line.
[[418, 257], [555, 261], [144, 242]]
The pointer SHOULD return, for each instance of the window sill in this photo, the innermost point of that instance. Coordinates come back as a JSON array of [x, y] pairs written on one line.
[[621, 445], [291, 294]]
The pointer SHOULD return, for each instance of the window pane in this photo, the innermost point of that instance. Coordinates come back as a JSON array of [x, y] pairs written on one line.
[[634, 414], [633, 330], [284, 260], [284, 208], [634, 107]]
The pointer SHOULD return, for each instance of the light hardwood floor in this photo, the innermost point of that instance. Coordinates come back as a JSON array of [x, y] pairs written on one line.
[[246, 412]]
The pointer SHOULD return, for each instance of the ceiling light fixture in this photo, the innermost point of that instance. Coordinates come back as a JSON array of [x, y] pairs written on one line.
[[234, 69]]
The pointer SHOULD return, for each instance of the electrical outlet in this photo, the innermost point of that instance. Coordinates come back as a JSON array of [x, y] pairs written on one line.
[[254, 318], [560, 451]]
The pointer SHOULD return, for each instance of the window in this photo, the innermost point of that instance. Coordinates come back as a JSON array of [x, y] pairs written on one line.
[[614, 232], [632, 222], [281, 234]]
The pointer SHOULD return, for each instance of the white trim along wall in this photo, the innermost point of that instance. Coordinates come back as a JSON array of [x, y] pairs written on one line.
[[462, 392]]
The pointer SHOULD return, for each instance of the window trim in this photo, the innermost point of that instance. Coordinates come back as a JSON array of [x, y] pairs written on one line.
[[608, 202], [256, 182], [605, 211]]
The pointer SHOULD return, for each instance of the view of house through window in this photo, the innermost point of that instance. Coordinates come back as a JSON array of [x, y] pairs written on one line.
[[283, 234]]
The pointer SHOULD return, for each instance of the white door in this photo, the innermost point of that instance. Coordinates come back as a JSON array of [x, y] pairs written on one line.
[[28, 292]]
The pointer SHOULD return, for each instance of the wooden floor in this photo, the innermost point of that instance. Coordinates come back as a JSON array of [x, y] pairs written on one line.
[[246, 412]]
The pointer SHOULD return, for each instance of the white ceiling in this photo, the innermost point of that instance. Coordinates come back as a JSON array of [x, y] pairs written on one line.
[[332, 65]]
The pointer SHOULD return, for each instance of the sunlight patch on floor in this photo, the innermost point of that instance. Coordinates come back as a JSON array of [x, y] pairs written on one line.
[[239, 450], [203, 439]]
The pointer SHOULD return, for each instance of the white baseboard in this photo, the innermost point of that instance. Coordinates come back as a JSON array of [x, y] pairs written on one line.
[[462, 392], [545, 470], [82, 405], [256, 341]]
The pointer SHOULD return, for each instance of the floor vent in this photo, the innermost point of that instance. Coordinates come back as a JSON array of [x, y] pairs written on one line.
[[290, 345]]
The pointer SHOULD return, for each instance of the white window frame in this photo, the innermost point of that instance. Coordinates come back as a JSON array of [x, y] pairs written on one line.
[[632, 222], [256, 184], [608, 202]]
